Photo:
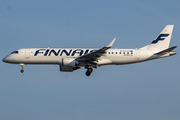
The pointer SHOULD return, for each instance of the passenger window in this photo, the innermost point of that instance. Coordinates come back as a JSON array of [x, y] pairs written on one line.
[[109, 52]]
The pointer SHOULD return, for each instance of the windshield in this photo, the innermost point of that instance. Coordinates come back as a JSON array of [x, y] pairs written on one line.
[[14, 52]]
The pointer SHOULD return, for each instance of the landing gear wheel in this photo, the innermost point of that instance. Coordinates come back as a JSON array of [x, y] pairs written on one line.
[[22, 65], [22, 70], [88, 73]]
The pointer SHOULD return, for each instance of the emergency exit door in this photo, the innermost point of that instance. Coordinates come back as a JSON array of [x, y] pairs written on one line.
[[137, 53]]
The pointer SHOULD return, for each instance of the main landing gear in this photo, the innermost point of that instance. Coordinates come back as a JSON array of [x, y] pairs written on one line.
[[89, 71], [22, 65]]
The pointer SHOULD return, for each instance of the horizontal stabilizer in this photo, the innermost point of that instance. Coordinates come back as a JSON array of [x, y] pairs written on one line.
[[166, 50]]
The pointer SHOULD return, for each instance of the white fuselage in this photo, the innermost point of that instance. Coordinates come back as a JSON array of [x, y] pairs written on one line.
[[55, 56], [75, 58]]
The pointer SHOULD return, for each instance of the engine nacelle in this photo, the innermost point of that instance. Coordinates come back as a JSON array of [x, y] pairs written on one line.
[[70, 62], [67, 68]]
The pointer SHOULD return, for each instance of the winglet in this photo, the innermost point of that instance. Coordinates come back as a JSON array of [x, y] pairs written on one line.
[[110, 45]]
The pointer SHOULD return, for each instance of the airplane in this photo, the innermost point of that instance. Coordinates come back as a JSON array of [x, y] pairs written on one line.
[[70, 59]]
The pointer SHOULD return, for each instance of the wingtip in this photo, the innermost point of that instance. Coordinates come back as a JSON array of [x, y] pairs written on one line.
[[112, 42]]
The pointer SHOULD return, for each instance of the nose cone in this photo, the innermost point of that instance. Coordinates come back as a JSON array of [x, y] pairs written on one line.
[[5, 59]]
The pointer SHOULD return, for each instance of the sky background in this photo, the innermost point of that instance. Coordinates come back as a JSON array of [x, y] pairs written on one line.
[[142, 91]]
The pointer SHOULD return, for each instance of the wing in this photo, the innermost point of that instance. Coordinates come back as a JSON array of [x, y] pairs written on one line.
[[96, 54]]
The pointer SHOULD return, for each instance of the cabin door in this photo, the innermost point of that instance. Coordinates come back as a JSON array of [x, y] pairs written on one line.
[[27, 53]]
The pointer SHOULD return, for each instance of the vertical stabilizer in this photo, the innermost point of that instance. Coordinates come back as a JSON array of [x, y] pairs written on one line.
[[161, 42]]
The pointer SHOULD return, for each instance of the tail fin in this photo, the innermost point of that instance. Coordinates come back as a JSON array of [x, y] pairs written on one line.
[[162, 41]]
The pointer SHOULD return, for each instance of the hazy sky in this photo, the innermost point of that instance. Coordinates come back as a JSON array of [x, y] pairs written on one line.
[[143, 91]]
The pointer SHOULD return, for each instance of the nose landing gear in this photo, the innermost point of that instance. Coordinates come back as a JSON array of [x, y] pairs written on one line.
[[22, 65], [89, 71], [22, 70]]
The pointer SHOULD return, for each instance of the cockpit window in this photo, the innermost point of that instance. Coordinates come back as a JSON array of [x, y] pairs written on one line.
[[15, 52]]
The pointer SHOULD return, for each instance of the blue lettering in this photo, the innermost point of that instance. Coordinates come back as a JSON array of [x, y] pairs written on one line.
[[37, 52], [55, 53], [46, 52], [49, 52], [64, 51], [76, 51], [160, 37], [92, 51], [86, 52]]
